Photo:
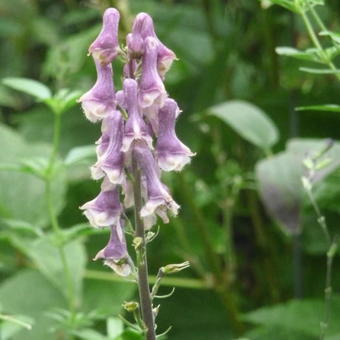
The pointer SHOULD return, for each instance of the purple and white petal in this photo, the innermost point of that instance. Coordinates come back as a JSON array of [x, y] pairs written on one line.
[[171, 153], [105, 47]]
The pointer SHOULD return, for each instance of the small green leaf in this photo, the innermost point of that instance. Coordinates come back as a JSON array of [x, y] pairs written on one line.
[[114, 327], [80, 154], [311, 54], [334, 36], [324, 107], [29, 86], [249, 121], [288, 4], [90, 334], [318, 70]]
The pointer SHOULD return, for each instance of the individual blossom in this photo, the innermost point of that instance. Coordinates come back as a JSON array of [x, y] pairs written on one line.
[[105, 47], [99, 101], [110, 161], [152, 91], [159, 201], [171, 153], [115, 254], [143, 27], [105, 209], [135, 127]]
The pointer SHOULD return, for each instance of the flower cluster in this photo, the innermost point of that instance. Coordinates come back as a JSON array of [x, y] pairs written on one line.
[[146, 134]]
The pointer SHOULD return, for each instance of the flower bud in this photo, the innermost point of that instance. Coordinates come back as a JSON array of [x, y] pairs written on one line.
[[105, 48], [175, 268], [130, 306]]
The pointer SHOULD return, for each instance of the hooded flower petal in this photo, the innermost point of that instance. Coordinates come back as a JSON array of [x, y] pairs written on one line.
[[105, 48], [110, 158], [100, 100], [171, 153], [159, 200], [135, 127], [115, 253], [105, 209], [152, 90], [143, 27]]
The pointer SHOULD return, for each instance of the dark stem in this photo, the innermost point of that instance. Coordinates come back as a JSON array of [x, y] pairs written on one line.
[[142, 265]]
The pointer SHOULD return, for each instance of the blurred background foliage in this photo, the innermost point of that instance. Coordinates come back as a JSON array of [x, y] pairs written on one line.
[[256, 250]]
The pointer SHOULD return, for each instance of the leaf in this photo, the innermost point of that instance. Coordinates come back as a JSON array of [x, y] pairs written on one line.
[[280, 189], [288, 4], [249, 121], [114, 327], [29, 86], [309, 313], [308, 55], [333, 35], [12, 324], [29, 293], [325, 107], [90, 334], [318, 70], [46, 257], [79, 154], [22, 195]]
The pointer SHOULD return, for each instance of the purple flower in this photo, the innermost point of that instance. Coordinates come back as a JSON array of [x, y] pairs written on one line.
[[143, 27], [105, 48], [135, 127], [171, 153], [152, 90], [159, 201], [100, 100], [105, 209], [115, 253], [110, 158]]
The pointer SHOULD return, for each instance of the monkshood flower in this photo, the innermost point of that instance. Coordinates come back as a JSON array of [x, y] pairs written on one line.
[[135, 127], [171, 153], [143, 27], [105, 48], [159, 201], [99, 101], [115, 254], [110, 161], [152, 91], [105, 209]]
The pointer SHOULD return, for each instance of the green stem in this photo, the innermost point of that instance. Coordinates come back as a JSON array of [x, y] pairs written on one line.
[[52, 214], [142, 265], [317, 42]]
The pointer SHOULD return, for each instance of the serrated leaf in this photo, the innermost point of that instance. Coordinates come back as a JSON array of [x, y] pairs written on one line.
[[29, 86], [249, 121], [323, 107]]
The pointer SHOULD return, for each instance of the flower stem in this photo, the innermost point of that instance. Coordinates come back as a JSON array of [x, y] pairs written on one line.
[[142, 265]]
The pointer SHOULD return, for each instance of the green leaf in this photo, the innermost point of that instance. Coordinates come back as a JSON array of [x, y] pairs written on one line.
[[334, 36], [324, 107], [288, 4], [279, 179], [249, 121], [46, 257], [13, 324], [90, 334], [22, 195], [63, 100], [318, 70], [29, 293], [29, 86], [114, 327], [81, 154], [311, 54], [308, 313]]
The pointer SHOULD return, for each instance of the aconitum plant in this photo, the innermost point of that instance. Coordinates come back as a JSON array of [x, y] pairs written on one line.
[[138, 142]]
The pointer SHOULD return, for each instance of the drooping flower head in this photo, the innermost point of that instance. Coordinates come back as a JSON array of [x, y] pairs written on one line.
[[99, 101], [110, 161], [105, 209], [105, 48], [171, 153], [115, 254], [135, 127]]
